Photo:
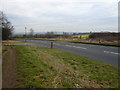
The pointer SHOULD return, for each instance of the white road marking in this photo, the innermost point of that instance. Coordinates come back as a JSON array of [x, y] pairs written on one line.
[[75, 47], [112, 52], [80, 47], [102, 46], [56, 44], [68, 45]]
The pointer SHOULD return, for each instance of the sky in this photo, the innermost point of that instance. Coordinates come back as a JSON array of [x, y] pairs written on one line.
[[62, 15]]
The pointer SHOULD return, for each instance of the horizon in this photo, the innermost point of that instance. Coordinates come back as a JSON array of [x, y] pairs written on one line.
[[22, 33]]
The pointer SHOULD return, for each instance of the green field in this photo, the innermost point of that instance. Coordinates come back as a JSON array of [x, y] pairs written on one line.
[[39, 67], [82, 36]]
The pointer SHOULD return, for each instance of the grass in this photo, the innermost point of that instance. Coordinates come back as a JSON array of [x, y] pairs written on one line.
[[39, 67], [105, 43], [82, 36], [12, 41]]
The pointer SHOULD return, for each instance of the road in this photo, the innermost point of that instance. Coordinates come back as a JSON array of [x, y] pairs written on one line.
[[106, 54]]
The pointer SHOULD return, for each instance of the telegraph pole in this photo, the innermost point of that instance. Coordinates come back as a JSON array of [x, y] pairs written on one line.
[[25, 33]]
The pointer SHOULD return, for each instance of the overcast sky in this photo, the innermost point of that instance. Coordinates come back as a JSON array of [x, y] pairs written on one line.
[[62, 15]]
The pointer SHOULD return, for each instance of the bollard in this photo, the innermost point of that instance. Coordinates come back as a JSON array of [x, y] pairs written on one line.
[[51, 44]]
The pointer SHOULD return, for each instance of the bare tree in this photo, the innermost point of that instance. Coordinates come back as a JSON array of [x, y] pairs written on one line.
[[6, 27], [66, 35]]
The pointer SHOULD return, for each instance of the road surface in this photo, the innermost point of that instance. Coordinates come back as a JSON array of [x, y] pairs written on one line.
[[107, 54]]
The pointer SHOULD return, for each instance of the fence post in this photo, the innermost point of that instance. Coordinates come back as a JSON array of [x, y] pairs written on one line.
[[51, 44]]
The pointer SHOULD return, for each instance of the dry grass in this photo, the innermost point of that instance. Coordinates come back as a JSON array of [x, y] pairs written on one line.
[[12, 41]]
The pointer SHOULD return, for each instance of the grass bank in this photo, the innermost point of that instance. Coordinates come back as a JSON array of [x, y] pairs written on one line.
[[39, 67]]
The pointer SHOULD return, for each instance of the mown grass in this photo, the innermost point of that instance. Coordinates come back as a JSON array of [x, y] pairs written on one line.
[[39, 67]]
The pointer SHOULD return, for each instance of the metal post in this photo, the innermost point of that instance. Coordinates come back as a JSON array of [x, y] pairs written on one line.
[[51, 44]]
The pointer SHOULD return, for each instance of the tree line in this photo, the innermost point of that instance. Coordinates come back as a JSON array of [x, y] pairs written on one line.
[[46, 35], [105, 36]]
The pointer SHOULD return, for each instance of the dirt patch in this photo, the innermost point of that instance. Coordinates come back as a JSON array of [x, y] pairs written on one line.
[[8, 71]]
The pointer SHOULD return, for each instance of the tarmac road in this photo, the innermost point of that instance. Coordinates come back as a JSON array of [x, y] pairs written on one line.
[[106, 54]]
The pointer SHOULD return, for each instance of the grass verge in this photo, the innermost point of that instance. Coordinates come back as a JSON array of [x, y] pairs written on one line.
[[39, 67], [98, 43]]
